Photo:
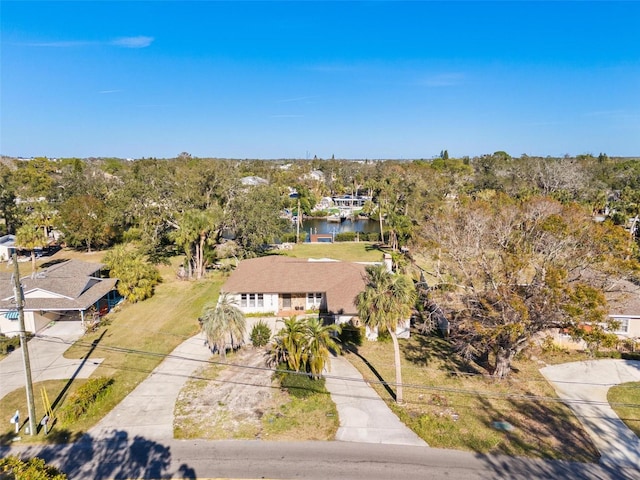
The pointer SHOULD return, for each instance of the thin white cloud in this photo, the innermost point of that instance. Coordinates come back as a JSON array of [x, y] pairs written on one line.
[[109, 91], [132, 42], [124, 42]]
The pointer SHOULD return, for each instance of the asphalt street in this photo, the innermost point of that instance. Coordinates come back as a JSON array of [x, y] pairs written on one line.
[[123, 457]]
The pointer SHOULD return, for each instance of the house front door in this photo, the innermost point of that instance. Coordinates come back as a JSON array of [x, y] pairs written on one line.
[[286, 301]]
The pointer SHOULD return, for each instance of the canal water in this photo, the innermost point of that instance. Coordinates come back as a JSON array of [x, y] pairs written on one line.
[[321, 225]]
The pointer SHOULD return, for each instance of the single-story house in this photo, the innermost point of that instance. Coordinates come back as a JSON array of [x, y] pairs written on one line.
[[7, 247], [66, 291], [624, 307], [279, 286], [623, 299]]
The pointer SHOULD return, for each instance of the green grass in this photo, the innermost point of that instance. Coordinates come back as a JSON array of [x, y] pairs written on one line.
[[345, 251], [135, 339], [625, 401], [451, 405], [297, 419]]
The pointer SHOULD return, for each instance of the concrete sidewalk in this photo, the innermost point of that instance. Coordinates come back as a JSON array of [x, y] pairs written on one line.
[[364, 416], [46, 351], [584, 386], [148, 410]]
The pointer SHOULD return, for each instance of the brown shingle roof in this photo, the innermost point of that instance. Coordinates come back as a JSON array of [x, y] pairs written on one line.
[[624, 298], [340, 281]]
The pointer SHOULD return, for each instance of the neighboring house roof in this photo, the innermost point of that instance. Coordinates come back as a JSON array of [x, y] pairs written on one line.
[[340, 281], [624, 298], [7, 244], [7, 240], [65, 286], [253, 181]]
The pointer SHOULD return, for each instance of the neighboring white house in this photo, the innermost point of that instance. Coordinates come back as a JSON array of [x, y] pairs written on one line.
[[7, 247], [65, 291], [624, 307], [623, 299], [279, 286]]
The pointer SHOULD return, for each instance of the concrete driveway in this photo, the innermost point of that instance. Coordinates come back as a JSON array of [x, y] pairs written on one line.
[[46, 351], [584, 386], [364, 416], [148, 410]]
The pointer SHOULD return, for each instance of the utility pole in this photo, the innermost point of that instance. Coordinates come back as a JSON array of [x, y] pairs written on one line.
[[17, 289], [298, 222]]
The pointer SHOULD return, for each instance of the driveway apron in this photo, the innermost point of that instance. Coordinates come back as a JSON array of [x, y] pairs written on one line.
[[364, 416], [584, 386], [148, 410]]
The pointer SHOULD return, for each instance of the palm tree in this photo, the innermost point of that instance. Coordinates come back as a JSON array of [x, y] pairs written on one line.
[[222, 322], [30, 237], [319, 342], [292, 342], [386, 299]]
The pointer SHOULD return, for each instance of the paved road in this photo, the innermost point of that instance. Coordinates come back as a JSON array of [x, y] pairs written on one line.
[[122, 457], [584, 386], [46, 351]]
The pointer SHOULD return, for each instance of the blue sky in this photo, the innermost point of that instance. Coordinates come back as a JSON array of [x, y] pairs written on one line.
[[298, 79]]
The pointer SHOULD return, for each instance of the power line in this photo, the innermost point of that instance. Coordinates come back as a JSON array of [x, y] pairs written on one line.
[[451, 390]]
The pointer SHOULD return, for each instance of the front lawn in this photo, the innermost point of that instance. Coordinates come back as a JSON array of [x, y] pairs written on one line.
[[452, 406], [625, 401], [345, 251], [132, 342]]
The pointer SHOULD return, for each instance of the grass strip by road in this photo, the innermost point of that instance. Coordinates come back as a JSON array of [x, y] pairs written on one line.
[[453, 406], [625, 401]]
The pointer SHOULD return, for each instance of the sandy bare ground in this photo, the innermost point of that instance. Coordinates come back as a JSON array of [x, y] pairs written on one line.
[[227, 401]]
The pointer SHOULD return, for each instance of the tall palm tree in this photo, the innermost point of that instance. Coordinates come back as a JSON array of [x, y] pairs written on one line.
[[386, 299], [30, 237], [223, 322], [319, 342]]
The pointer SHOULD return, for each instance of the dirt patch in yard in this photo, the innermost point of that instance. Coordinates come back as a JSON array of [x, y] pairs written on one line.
[[241, 400], [226, 401]]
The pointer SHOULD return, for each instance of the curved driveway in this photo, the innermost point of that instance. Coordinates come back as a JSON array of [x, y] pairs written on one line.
[[583, 386]]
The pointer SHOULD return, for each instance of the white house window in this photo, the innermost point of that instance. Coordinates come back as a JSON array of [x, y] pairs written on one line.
[[252, 300], [314, 299], [623, 324]]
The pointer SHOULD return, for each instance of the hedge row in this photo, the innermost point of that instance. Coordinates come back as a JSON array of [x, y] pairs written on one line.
[[80, 402]]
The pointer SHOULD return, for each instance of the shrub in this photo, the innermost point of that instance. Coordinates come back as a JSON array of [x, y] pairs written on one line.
[[9, 344], [85, 397], [351, 335], [35, 468], [370, 237], [260, 334], [345, 237]]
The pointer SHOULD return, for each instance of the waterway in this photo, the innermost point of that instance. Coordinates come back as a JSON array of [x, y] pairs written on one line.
[[321, 225]]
